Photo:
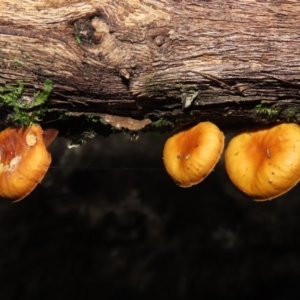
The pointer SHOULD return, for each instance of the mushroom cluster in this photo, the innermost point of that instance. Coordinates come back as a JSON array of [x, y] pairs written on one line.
[[190, 155], [24, 160], [265, 163]]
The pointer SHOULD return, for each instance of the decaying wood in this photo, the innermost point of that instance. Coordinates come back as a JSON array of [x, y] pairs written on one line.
[[151, 59]]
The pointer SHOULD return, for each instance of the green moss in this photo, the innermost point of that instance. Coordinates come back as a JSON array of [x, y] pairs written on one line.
[[161, 123], [18, 63], [291, 114], [96, 119], [25, 109], [92, 118], [267, 111], [78, 39]]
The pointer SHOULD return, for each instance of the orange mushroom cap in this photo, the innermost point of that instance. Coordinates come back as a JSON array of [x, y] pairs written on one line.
[[265, 163], [190, 155], [24, 161]]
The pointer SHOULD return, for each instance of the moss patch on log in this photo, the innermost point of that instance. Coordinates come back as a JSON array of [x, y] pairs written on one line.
[[25, 110]]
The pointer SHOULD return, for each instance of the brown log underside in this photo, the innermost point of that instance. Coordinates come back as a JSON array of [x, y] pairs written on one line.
[[148, 60]]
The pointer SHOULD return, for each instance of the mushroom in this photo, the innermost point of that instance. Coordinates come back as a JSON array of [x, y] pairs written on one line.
[[190, 155], [265, 163], [24, 161], [49, 135]]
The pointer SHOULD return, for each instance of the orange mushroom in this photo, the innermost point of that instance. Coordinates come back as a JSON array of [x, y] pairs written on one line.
[[190, 155], [265, 163], [49, 135], [24, 161]]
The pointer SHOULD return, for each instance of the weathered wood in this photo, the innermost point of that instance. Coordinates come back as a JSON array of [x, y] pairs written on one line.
[[151, 59]]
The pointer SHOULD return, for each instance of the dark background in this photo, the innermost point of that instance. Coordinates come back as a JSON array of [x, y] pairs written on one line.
[[107, 222]]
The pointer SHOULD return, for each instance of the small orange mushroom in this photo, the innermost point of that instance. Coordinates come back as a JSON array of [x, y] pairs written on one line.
[[24, 161], [190, 155], [265, 163]]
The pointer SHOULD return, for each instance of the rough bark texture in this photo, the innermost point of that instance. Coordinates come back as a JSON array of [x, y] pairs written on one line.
[[130, 63]]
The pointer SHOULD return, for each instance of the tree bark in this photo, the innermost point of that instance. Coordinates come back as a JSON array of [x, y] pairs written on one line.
[[154, 64]]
